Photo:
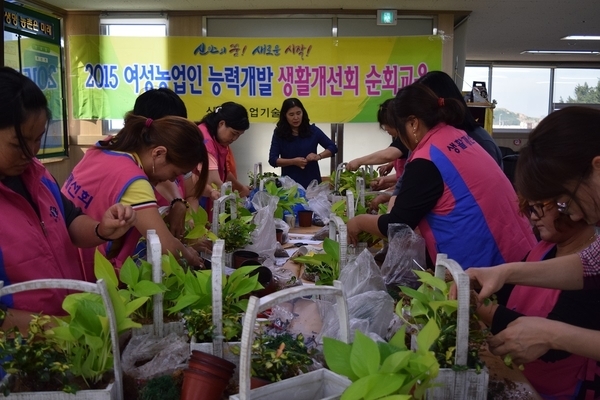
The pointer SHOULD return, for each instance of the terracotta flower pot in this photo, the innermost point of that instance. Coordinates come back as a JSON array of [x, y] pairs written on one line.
[[305, 218], [242, 255], [210, 360], [279, 235], [258, 382], [200, 385]]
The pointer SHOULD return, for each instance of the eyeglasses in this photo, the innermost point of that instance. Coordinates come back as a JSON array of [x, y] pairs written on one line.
[[538, 209], [563, 207]]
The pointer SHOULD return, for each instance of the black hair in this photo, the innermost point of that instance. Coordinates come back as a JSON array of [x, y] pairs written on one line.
[[382, 113], [158, 103], [443, 86], [418, 101], [559, 150], [20, 99], [235, 116], [283, 128]]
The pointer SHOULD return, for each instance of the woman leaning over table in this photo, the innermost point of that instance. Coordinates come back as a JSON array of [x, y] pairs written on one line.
[[560, 162], [452, 190], [41, 229], [294, 144], [125, 168], [556, 374]]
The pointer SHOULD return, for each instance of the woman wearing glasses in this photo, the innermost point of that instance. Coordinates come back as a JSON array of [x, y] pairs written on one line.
[[556, 374], [561, 162]]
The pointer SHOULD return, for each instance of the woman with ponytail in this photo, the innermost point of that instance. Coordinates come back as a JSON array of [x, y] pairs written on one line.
[[125, 168], [452, 190]]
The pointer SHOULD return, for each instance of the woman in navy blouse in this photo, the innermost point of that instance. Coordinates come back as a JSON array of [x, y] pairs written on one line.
[[294, 144]]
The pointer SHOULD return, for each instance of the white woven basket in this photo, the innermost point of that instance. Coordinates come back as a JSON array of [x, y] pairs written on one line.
[[468, 384], [320, 384]]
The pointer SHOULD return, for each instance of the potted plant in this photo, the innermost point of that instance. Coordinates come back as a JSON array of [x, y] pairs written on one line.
[[87, 337], [379, 370], [457, 347], [322, 268], [279, 357], [236, 232], [288, 198]]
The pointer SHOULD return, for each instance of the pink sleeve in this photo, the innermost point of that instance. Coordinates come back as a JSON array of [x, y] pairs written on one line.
[[212, 163], [590, 259]]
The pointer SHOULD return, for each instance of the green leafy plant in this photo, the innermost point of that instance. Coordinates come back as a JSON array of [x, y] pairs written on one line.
[[164, 387], [260, 177], [288, 198], [275, 358], [35, 363], [347, 180], [139, 284], [430, 303], [324, 267], [340, 209], [237, 233], [385, 370], [195, 302], [196, 226]]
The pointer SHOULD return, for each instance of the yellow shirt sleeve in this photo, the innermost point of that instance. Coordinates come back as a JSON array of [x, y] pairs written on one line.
[[139, 195]]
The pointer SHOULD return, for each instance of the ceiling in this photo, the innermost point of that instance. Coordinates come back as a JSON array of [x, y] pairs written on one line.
[[497, 30]]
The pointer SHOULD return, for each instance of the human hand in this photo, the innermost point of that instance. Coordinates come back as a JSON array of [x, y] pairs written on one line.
[[176, 219], [300, 162], [244, 191], [215, 194], [312, 157], [202, 245], [192, 257], [353, 165], [352, 230], [385, 168], [525, 339], [379, 199], [379, 183], [490, 279], [116, 221]]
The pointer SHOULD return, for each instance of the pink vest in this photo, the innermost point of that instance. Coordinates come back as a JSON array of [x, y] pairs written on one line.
[[216, 150], [559, 379], [96, 183], [476, 221], [33, 247]]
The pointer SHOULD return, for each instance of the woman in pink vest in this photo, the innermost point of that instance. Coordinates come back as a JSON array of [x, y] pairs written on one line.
[[125, 168], [452, 190], [219, 130], [561, 161], [40, 228], [556, 374]]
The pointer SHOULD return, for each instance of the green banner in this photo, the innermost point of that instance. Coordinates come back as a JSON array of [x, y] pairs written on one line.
[[337, 79]]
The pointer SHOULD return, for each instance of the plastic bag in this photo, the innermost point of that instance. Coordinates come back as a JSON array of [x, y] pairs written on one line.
[[165, 354], [369, 312], [281, 224], [264, 240], [361, 275], [321, 206], [404, 249], [315, 188]]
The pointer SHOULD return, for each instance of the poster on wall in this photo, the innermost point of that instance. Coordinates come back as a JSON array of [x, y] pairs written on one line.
[[32, 46], [338, 79]]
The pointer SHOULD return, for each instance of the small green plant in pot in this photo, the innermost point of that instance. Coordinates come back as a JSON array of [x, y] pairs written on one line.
[[288, 198], [195, 302], [35, 364], [237, 233], [322, 268], [384, 370], [275, 358], [430, 303]]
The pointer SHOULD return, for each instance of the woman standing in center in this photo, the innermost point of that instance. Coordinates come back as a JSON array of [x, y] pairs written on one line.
[[294, 144]]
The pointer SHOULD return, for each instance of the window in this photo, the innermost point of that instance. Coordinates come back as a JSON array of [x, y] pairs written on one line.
[[576, 85], [137, 27], [475, 74], [522, 96]]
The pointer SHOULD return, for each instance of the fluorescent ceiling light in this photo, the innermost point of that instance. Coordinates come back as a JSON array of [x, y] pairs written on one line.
[[581, 37], [559, 52]]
